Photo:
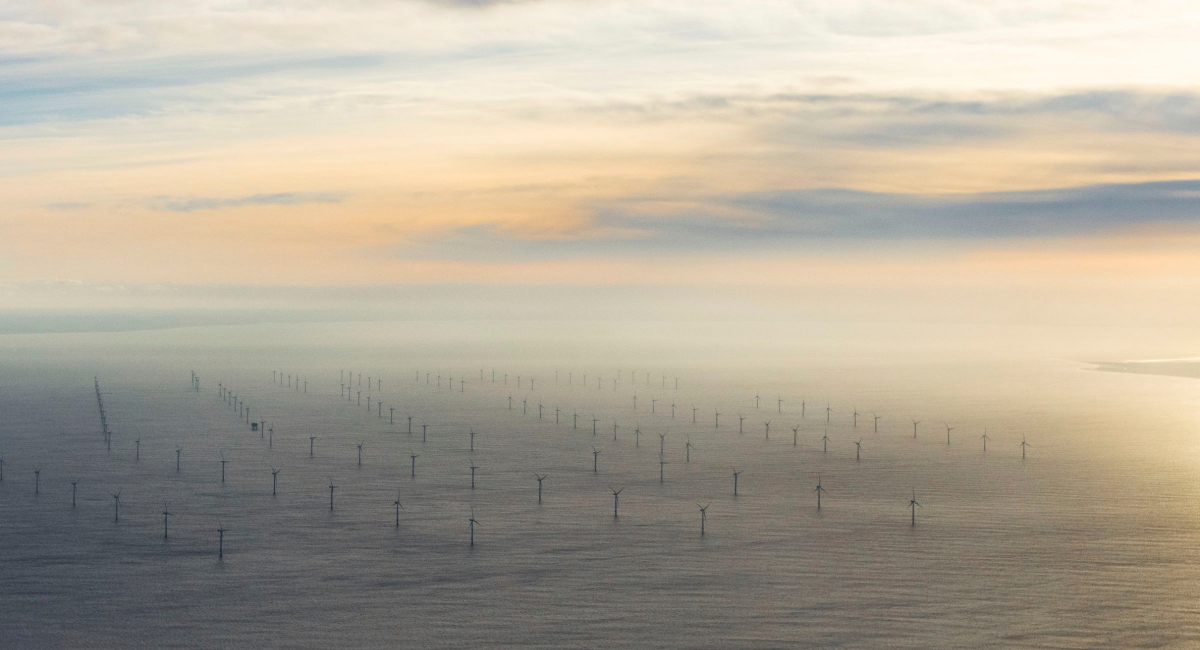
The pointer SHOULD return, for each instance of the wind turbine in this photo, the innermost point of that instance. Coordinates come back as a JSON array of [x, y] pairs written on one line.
[[985, 438], [414, 463], [221, 540], [914, 505], [703, 516], [614, 431], [473, 468], [1023, 446], [166, 513], [857, 449], [331, 486], [595, 459], [716, 420], [795, 434], [616, 499], [472, 438], [540, 478], [661, 462], [735, 480], [856, 414], [877, 418], [117, 506], [756, 398], [780, 403], [360, 445], [827, 411], [662, 444], [767, 424], [915, 423], [819, 490], [740, 419], [688, 449], [398, 508], [825, 442], [948, 430]]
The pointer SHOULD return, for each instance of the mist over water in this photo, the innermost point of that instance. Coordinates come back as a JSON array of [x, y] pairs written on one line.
[[1089, 541]]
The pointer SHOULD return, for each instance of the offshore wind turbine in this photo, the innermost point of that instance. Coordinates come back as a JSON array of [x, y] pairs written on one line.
[[688, 449], [331, 486], [540, 478], [117, 506], [221, 540], [73, 486], [398, 508], [473, 468], [877, 418], [914, 505], [472, 524], [662, 443], [767, 424], [948, 430], [703, 516], [825, 442], [985, 438], [915, 423], [857, 449], [735, 480], [819, 490], [616, 499], [414, 463], [360, 445], [1023, 446], [795, 434], [741, 418], [856, 414], [595, 459], [661, 462], [827, 411], [780, 403], [274, 480], [166, 513]]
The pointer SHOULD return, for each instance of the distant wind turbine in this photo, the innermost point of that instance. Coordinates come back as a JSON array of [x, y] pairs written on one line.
[[914, 505]]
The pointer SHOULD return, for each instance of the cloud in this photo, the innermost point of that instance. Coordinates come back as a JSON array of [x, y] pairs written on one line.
[[191, 204], [792, 220]]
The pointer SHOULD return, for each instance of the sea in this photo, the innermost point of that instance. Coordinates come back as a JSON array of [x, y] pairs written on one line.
[[1086, 537]]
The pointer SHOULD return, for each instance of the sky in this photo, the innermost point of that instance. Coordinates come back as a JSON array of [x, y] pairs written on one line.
[[924, 145]]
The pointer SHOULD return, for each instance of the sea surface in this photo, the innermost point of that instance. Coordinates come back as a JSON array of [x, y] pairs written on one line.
[[1091, 540]]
